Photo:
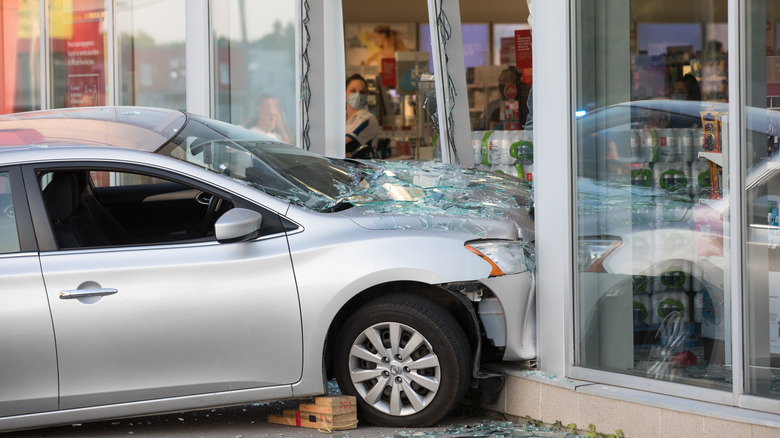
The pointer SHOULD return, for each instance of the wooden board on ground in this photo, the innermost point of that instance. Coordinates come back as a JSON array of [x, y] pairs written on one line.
[[327, 417], [337, 400], [331, 413], [327, 410], [314, 421]]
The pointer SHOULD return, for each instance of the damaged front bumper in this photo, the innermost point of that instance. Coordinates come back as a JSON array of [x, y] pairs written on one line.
[[505, 308], [509, 315]]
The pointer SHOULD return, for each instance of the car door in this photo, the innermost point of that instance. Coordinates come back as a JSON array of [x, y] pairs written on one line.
[[28, 362], [170, 318]]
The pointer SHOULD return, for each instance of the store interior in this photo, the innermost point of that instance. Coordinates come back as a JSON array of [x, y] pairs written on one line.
[[658, 47], [402, 106]]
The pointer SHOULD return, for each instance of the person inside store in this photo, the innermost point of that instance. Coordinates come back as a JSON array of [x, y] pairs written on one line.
[[270, 119], [491, 118], [362, 127], [685, 88]]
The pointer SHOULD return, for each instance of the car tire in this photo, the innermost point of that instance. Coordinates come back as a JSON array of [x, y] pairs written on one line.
[[395, 387]]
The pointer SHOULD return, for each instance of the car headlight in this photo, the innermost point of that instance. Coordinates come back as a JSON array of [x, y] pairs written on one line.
[[506, 257], [593, 250]]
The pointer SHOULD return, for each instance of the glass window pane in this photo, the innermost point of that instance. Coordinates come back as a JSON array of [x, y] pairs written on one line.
[[254, 70], [20, 33], [392, 62], [114, 210], [151, 53], [762, 195], [77, 45], [499, 95], [9, 237], [651, 130]]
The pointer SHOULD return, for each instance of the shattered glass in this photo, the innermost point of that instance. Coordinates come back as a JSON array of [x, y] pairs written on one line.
[[406, 194], [430, 187], [430, 195], [490, 429]]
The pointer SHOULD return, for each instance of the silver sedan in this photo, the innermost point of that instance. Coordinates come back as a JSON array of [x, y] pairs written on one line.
[[153, 260]]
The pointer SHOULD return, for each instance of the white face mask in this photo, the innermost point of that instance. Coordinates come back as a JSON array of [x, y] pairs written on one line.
[[356, 100]]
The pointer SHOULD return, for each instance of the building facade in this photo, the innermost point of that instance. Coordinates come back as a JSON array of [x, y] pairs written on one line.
[[654, 143]]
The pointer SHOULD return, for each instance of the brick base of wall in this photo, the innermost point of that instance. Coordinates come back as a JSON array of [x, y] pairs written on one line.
[[550, 400]]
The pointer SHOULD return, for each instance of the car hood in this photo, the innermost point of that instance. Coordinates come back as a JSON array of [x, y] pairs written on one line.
[[436, 196]]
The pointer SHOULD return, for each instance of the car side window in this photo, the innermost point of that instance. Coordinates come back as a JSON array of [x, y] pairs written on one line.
[[9, 234], [97, 208]]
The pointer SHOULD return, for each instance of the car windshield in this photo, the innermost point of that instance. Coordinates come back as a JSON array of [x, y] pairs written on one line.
[[281, 170]]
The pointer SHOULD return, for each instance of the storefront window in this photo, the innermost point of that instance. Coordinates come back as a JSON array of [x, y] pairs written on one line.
[[254, 65], [499, 91], [395, 58], [652, 288], [20, 50], [393, 61], [77, 44], [762, 197], [151, 53]]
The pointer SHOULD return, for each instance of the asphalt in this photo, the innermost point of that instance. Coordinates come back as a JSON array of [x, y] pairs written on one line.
[[249, 421]]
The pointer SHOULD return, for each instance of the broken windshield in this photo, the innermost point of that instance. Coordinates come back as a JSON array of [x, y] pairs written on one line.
[[326, 185], [281, 170]]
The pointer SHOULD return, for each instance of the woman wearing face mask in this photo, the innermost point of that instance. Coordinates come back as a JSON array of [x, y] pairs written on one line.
[[362, 127], [687, 89]]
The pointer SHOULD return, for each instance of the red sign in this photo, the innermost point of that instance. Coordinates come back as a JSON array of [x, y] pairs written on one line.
[[510, 91], [524, 55], [507, 51], [388, 72], [85, 60]]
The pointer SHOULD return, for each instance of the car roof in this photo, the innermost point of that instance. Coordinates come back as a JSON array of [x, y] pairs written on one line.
[[140, 128]]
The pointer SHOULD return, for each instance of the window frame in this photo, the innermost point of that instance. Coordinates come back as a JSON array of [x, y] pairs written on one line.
[[42, 226]]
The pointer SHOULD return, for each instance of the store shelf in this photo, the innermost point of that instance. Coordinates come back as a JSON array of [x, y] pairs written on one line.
[[715, 157]]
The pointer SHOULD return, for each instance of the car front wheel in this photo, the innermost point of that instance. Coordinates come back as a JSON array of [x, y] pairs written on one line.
[[405, 359]]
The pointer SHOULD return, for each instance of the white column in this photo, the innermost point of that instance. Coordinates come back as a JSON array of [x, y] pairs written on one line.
[[111, 54], [45, 72], [740, 56], [455, 67], [327, 109], [552, 118], [198, 58]]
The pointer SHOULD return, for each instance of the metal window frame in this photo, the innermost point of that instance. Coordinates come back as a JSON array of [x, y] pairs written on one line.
[[553, 184], [112, 43], [449, 69], [737, 40], [199, 83], [45, 73]]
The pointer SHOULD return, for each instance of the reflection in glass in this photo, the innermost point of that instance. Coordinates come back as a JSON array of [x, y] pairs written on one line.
[[499, 95], [151, 55], [77, 45], [762, 197], [652, 290], [20, 43], [254, 65]]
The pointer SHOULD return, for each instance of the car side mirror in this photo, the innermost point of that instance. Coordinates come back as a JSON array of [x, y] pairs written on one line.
[[238, 225]]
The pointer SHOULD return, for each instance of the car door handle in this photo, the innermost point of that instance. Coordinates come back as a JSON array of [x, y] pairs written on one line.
[[85, 293]]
